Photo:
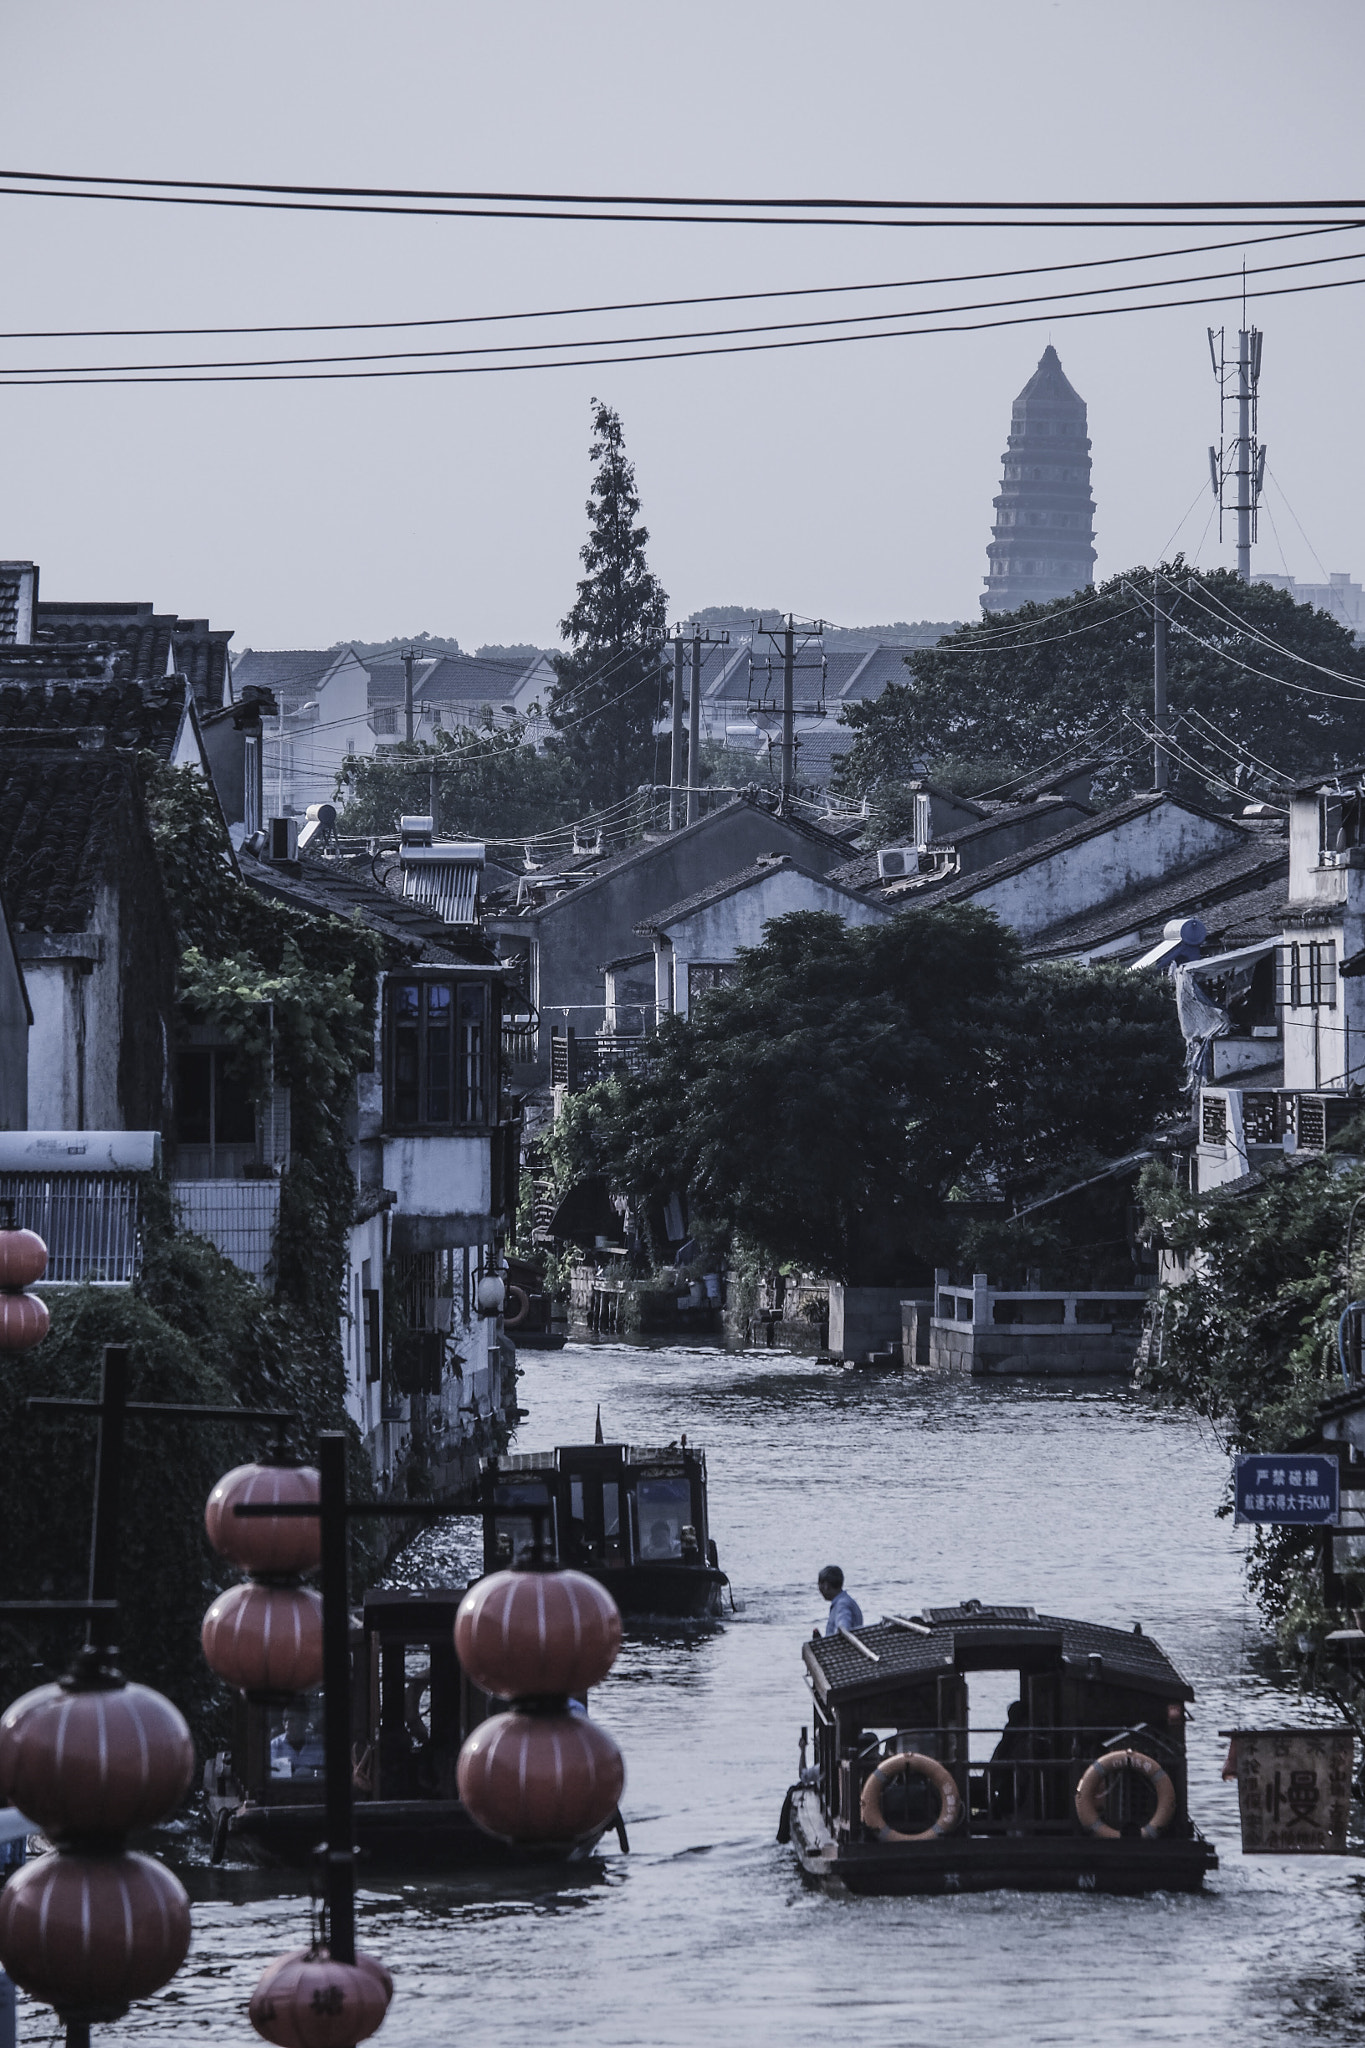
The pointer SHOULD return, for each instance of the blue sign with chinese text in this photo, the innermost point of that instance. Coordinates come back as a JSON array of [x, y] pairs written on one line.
[[1288, 1486]]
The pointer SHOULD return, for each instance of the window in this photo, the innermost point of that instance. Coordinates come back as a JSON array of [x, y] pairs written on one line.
[[386, 720], [1308, 975], [214, 1115], [437, 1046], [704, 975], [665, 1508]]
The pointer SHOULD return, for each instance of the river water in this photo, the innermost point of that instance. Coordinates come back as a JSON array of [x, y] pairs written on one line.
[[1077, 1499]]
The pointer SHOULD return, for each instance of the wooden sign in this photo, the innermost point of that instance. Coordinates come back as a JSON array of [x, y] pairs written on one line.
[[1293, 1789]]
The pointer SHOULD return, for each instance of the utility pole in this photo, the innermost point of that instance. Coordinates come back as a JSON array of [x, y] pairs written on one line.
[[696, 640], [407, 695], [694, 733], [1160, 759], [675, 766], [1244, 465], [788, 711]]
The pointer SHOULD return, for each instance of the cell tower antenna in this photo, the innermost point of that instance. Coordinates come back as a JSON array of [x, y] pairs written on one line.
[[1237, 465]]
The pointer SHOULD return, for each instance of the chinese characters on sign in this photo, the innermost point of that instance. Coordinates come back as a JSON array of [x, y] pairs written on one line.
[[1294, 1790], [1288, 1487]]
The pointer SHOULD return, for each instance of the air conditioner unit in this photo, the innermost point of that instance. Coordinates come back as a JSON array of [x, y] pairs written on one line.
[[284, 839], [895, 861]]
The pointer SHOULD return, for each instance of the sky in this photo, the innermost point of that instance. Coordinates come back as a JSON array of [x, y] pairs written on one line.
[[852, 483]]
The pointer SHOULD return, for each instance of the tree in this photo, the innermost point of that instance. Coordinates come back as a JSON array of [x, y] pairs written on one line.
[[1249, 1339], [826, 1105], [482, 782], [605, 700], [1028, 690]]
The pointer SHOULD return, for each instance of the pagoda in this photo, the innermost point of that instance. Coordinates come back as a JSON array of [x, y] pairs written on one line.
[[1044, 516]]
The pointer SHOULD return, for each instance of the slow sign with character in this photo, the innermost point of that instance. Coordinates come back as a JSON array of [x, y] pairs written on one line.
[[1288, 1486], [1293, 1789]]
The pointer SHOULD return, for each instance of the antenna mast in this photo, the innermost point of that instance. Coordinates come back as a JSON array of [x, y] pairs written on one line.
[[1237, 467]]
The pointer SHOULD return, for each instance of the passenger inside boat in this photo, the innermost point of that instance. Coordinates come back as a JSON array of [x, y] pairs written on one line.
[[297, 1751]]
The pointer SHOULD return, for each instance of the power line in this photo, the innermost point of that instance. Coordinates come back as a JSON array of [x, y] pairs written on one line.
[[1297, 521], [1254, 633], [656, 305], [33, 383], [1305, 689], [45, 372]]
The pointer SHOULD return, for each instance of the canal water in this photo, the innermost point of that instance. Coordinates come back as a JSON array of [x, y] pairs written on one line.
[[1075, 1498]]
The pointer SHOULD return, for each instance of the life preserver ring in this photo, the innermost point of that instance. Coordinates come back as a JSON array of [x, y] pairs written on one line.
[[1095, 1783], [511, 1317], [949, 1801]]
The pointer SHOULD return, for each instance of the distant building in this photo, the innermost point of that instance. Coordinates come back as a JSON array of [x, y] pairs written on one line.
[[1340, 595], [1044, 516]]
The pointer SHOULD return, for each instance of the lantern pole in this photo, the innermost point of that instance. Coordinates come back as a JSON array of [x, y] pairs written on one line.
[[336, 1687]]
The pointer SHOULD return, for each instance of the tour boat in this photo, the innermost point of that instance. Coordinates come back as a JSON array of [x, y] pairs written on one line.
[[412, 1705], [634, 1519], [1084, 1788]]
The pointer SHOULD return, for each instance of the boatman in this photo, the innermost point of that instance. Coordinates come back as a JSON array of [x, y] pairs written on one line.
[[844, 1611]]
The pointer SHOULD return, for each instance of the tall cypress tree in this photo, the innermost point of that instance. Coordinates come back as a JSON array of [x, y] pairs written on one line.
[[604, 702]]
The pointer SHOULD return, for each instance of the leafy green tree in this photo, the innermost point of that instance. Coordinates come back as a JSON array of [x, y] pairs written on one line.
[[483, 782], [1249, 1339], [605, 700], [1024, 691], [828, 1103]]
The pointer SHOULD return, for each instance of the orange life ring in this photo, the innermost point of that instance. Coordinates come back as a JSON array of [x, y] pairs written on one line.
[[1094, 1784], [519, 1315], [949, 1802]]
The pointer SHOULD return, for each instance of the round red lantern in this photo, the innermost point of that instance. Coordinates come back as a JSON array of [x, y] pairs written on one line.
[[308, 2000], [86, 1764], [262, 1543], [265, 1639], [89, 1934], [23, 1256], [541, 1778], [527, 1634], [24, 1321]]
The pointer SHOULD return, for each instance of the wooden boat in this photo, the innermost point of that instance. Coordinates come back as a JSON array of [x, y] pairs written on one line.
[[411, 1708], [528, 1316], [1084, 1789], [634, 1519]]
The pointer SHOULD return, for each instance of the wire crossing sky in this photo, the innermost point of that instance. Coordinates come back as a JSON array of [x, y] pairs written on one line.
[[472, 222]]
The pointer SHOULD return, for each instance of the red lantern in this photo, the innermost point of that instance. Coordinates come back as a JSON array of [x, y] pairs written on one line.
[[541, 1778], [306, 2000], [262, 1543], [23, 1257], [24, 1321], [89, 1934], [94, 1763], [265, 1639], [523, 1634]]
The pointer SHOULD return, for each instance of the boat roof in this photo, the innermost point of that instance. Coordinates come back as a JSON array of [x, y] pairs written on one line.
[[972, 1637], [579, 1456]]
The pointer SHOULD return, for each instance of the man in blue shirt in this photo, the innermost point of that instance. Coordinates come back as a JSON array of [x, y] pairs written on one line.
[[844, 1611]]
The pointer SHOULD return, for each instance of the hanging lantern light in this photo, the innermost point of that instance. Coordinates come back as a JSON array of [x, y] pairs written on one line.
[[308, 2000], [24, 1319], [490, 1294], [552, 1778], [537, 1633], [289, 1544], [89, 1934], [265, 1640], [92, 1764]]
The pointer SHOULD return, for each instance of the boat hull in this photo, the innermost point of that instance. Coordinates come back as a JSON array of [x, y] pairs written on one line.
[[979, 1863], [426, 1834], [663, 1592]]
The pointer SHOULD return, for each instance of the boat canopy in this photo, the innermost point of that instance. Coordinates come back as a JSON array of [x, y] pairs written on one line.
[[857, 1664]]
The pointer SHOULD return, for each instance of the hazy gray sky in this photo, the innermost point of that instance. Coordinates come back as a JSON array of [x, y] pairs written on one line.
[[850, 482]]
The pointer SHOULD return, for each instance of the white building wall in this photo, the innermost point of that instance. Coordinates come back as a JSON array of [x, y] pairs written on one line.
[[714, 934], [1104, 867]]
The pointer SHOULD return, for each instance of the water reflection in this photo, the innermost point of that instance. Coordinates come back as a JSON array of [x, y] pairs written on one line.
[[1074, 1498]]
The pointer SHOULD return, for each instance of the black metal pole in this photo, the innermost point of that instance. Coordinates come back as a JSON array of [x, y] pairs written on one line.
[[78, 2034], [336, 1689], [104, 1539]]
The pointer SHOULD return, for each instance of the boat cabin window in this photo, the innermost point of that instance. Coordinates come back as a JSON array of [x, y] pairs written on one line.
[[665, 1510], [296, 1740], [514, 1529], [595, 1521]]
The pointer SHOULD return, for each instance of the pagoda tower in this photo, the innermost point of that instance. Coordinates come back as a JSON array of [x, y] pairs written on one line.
[[1044, 516]]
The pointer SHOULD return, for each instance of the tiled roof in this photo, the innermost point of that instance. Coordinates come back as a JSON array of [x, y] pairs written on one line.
[[446, 680], [862, 873], [97, 714], [284, 669], [1244, 880], [346, 888], [59, 817], [154, 643], [746, 878]]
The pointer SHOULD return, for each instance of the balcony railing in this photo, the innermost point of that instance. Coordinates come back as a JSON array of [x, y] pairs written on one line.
[[577, 1062], [88, 1221]]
